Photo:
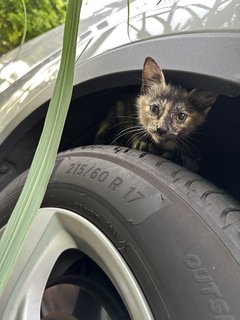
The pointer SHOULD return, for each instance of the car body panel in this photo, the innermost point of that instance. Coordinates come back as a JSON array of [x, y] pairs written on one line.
[[196, 45], [183, 36]]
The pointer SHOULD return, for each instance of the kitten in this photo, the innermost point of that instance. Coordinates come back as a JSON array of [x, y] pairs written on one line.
[[162, 118]]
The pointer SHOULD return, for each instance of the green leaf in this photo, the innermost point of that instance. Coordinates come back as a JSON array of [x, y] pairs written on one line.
[[45, 156]]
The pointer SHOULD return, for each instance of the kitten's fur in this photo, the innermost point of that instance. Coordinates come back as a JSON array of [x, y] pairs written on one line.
[[162, 118]]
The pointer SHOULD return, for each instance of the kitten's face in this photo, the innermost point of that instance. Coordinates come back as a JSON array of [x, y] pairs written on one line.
[[168, 112]]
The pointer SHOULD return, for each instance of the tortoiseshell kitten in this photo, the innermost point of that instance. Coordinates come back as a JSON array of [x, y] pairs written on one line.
[[162, 118]]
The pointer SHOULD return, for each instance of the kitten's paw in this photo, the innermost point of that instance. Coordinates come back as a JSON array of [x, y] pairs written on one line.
[[140, 145]]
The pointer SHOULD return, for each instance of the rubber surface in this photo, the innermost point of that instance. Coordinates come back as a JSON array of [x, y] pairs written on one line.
[[179, 234]]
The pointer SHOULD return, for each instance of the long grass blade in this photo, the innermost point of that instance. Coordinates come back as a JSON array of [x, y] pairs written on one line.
[[45, 156], [24, 31], [128, 18]]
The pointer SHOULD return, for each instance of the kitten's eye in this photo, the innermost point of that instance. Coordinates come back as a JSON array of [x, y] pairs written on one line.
[[154, 109], [181, 117]]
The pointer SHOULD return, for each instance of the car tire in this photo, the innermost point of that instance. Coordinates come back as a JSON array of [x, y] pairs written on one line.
[[179, 234]]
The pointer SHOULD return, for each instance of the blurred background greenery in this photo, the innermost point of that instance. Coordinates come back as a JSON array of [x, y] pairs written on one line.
[[42, 15]]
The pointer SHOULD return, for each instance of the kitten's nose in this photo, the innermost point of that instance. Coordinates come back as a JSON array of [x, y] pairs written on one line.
[[162, 132]]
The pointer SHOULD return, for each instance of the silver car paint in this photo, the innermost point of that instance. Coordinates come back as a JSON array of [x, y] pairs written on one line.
[[105, 47]]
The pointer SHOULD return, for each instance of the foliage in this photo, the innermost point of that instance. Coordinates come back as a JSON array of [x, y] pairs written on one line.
[[42, 15]]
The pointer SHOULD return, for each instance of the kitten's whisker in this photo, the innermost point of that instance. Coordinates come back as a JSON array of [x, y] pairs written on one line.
[[129, 117], [136, 135], [139, 135], [121, 136], [121, 124], [130, 140], [183, 151], [151, 138], [127, 131], [143, 136], [185, 146], [188, 141], [178, 149], [146, 136]]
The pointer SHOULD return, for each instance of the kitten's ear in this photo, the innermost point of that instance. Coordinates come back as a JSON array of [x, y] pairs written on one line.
[[152, 74], [204, 99]]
